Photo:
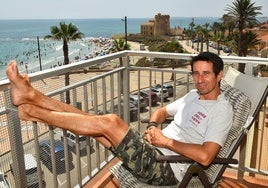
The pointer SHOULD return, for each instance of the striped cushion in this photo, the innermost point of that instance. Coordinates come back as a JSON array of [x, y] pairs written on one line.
[[241, 107], [128, 180]]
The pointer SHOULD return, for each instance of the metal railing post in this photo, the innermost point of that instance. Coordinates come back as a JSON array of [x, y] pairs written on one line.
[[37, 154], [249, 69], [126, 89], [16, 144]]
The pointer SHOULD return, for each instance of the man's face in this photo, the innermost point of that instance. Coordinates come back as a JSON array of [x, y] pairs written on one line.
[[206, 81]]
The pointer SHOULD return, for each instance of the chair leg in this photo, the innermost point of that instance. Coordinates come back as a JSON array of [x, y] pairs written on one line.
[[187, 177], [203, 177], [195, 170]]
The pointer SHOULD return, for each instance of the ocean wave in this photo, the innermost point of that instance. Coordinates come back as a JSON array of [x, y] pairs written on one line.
[[18, 39], [26, 39], [7, 39], [73, 51], [58, 47], [89, 38], [59, 57], [49, 61], [82, 44]]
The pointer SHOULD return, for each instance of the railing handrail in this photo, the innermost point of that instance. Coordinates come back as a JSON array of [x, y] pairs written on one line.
[[82, 64]]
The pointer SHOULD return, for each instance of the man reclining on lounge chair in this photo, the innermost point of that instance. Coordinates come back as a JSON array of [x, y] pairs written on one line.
[[202, 119]]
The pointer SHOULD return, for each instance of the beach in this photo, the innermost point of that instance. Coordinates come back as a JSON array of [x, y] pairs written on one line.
[[79, 50]]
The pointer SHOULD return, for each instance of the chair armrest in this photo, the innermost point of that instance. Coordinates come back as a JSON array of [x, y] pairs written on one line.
[[195, 169], [167, 121], [183, 159], [145, 120], [173, 158], [218, 160]]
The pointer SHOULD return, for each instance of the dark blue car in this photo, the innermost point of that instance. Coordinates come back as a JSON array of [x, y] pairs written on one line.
[[45, 153]]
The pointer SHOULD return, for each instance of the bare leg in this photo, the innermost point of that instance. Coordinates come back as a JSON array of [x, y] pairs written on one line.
[[89, 125], [35, 106]]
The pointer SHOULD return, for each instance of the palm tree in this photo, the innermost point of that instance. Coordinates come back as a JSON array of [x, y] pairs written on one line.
[[120, 45], [202, 33], [199, 33], [65, 32], [192, 33], [187, 34], [249, 42], [244, 14], [228, 23], [206, 34], [218, 37], [216, 26]]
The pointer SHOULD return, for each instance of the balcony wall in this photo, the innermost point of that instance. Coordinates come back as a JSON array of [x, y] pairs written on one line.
[[98, 86]]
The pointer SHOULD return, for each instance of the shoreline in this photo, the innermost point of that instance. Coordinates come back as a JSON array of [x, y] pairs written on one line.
[[92, 48], [52, 55]]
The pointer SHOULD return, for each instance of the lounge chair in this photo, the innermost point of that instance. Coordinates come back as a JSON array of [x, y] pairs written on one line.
[[246, 95]]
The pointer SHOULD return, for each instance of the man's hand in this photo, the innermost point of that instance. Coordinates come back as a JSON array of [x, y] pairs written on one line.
[[155, 137]]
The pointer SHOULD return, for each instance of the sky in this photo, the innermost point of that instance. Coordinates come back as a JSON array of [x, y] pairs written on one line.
[[86, 9]]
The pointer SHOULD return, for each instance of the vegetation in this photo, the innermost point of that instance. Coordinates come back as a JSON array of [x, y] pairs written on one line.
[[243, 13], [248, 42], [231, 32], [144, 62], [65, 32], [172, 46], [158, 44], [120, 45], [147, 40]]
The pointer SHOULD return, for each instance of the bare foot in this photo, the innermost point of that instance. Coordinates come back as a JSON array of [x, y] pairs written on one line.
[[24, 112], [20, 86]]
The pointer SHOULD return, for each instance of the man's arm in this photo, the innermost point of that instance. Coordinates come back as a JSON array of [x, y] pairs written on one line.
[[159, 116], [201, 153]]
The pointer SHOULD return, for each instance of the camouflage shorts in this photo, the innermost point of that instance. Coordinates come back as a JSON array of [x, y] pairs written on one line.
[[138, 156]]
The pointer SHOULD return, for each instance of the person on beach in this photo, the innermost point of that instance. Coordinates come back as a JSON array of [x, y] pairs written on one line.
[[202, 119]]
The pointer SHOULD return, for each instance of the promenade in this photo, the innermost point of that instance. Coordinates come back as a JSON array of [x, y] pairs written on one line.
[[186, 44], [187, 47], [136, 46]]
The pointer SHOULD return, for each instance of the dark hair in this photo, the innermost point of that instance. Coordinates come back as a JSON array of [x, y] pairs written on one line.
[[209, 57]]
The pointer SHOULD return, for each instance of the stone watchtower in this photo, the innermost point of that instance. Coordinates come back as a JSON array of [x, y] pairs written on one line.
[[162, 25]]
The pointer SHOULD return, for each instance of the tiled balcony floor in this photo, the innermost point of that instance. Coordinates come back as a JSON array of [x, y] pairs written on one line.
[[229, 180]]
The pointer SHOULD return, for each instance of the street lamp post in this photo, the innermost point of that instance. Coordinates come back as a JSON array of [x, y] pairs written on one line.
[[125, 20], [39, 55]]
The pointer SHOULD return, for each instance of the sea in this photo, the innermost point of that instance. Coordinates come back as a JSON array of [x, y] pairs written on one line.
[[23, 40]]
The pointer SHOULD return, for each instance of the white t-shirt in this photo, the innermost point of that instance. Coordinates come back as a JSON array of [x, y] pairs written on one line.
[[197, 121]]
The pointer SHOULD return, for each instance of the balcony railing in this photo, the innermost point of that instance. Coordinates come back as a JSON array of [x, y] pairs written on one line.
[[100, 86]]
